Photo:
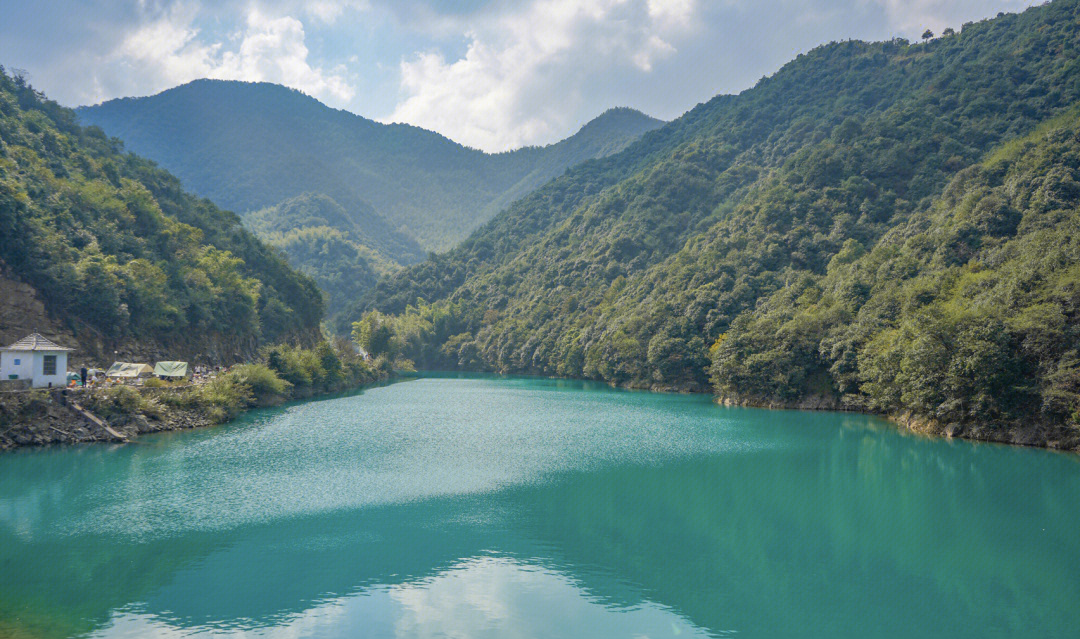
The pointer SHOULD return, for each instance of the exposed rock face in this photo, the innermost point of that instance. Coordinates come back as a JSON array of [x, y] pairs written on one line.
[[22, 312]]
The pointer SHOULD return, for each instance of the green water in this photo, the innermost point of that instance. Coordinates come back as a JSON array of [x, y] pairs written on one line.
[[484, 507]]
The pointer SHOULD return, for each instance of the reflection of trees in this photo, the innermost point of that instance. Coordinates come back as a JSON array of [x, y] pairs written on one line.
[[822, 536], [862, 532]]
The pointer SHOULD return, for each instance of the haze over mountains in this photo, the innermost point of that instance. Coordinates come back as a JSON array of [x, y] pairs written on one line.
[[248, 146], [388, 193]]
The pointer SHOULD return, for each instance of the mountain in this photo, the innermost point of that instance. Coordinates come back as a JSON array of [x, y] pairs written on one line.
[[249, 146], [884, 226], [104, 250]]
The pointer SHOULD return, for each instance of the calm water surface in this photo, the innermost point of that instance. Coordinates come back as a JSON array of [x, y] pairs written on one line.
[[485, 507]]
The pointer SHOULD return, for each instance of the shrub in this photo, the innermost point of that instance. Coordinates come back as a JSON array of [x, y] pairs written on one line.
[[124, 400], [262, 381], [224, 397], [404, 365]]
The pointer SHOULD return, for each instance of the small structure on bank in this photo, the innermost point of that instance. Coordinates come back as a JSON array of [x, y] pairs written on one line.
[[171, 370], [36, 359], [128, 370]]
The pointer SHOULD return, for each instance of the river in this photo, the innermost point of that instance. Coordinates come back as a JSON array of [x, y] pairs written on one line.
[[476, 506]]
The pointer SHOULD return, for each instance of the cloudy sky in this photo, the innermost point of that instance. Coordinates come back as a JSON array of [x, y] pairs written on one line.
[[493, 74]]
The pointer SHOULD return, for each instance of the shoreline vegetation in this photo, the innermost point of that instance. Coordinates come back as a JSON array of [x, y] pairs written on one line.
[[291, 373], [120, 413]]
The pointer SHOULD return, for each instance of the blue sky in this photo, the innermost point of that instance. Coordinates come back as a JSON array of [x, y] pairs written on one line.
[[492, 74]]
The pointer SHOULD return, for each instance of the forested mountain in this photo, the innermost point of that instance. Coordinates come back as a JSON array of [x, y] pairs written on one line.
[[320, 238], [877, 225], [249, 146], [121, 257]]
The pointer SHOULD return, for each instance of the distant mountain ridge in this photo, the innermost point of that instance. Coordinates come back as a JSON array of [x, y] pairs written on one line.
[[248, 146]]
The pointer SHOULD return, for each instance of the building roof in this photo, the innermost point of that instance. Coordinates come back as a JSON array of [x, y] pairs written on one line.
[[35, 342]]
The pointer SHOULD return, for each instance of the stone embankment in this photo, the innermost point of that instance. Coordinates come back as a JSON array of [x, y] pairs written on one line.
[[67, 416]]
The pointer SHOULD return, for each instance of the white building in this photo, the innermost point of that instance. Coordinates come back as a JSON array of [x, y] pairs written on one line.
[[36, 359]]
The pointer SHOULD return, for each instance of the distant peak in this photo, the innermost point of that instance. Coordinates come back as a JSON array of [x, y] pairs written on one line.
[[213, 86]]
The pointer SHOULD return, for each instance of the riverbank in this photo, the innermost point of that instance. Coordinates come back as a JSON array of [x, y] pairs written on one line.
[[121, 413], [45, 417], [1062, 437]]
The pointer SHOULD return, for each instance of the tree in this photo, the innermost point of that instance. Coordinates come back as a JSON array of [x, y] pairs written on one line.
[[948, 31], [374, 334], [927, 34]]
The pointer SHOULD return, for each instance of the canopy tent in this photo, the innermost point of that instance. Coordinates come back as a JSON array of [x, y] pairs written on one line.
[[127, 369], [170, 369]]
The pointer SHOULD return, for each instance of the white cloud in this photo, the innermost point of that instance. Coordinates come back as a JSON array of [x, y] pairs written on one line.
[[494, 74], [522, 76], [672, 12], [168, 50]]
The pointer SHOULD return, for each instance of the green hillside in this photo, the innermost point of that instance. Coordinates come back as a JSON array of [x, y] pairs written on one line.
[[805, 241], [122, 257], [248, 146], [321, 239]]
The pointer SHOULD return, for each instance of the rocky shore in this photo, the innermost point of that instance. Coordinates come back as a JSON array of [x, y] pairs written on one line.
[[1065, 437], [39, 418], [1038, 435]]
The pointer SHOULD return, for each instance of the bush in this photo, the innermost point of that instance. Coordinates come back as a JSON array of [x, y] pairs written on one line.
[[224, 397], [326, 368], [123, 400], [262, 381], [404, 365]]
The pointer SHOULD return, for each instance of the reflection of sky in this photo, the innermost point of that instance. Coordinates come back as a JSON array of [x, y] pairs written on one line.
[[479, 597], [473, 506]]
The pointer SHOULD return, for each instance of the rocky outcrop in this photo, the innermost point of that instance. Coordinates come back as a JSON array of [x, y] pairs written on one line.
[[23, 312], [810, 402]]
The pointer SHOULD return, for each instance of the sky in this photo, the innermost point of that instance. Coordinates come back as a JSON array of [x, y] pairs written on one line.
[[491, 74]]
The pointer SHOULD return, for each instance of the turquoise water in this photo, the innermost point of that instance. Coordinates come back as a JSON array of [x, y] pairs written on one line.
[[486, 507]]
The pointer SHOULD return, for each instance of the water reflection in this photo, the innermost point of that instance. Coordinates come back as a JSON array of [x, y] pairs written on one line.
[[480, 597], [547, 511]]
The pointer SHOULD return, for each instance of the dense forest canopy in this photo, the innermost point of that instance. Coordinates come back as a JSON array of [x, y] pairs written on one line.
[[120, 253], [321, 239], [249, 146], [877, 225]]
